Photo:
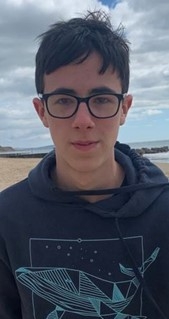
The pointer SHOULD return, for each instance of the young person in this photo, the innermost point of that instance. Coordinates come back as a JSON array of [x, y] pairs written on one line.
[[86, 234]]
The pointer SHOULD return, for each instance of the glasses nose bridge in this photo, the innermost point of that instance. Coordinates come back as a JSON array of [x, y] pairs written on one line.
[[81, 100]]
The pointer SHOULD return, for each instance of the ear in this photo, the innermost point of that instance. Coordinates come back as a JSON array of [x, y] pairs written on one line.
[[126, 104], [41, 111]]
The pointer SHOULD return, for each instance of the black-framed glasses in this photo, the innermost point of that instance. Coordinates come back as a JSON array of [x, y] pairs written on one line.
[[63, 106]]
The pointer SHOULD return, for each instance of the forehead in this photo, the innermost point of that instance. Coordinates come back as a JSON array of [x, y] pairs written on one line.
[[82, 77]]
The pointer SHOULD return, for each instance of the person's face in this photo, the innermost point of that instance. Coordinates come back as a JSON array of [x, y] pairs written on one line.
[[83, 142]]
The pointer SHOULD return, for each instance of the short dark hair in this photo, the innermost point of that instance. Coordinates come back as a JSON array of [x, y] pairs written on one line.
[[75, 39]]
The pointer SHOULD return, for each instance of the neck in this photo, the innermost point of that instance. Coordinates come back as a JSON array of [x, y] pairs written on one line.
[[73, 180]]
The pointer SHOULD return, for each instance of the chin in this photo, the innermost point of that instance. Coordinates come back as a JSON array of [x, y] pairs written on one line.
[[86, 167]]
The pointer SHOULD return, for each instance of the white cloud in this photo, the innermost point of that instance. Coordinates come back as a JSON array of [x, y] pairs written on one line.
[[151, 112], [140, 113]]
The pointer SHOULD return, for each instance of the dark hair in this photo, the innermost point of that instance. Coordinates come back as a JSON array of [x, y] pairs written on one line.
[[76, 39]]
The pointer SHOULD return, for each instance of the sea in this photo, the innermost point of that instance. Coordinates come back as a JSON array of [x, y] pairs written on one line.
[[156, 157]]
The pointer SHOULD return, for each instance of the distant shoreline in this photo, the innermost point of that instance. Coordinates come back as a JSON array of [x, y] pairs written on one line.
[[34, 154]]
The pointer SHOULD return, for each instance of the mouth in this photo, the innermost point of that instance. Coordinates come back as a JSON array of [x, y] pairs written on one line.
[[85, 145]]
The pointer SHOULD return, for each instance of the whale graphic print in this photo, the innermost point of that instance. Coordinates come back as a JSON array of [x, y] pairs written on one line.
[[74, 293]]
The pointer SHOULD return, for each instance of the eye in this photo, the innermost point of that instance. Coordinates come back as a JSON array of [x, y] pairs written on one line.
[[101, 99], [62, 100]]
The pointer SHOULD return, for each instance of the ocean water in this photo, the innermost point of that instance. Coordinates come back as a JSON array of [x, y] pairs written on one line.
[[157, 157], [150, 144]]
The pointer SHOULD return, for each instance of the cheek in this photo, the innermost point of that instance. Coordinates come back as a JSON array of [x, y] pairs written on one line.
[[110, 131], [110, 125], [58, 130]]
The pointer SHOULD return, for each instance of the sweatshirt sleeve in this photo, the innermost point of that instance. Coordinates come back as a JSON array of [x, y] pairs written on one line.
[[10, 307]]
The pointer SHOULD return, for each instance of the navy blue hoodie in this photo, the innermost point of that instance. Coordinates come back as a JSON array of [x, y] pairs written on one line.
[[63, 257]]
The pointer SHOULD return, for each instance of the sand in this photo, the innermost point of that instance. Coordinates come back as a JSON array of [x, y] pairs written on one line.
[[13, 170]]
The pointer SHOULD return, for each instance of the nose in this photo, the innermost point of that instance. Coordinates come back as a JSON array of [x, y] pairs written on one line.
[[83, 118]]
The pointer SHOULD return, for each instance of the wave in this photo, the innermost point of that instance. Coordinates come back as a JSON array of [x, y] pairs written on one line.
[[158, 157]]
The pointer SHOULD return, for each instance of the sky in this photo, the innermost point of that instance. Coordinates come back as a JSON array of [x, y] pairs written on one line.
[[147, 28]]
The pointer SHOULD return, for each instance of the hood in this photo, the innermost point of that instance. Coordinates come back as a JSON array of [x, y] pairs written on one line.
[[145, 183]]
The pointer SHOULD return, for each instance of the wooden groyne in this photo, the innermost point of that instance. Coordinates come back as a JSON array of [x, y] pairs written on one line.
[[22, 155]]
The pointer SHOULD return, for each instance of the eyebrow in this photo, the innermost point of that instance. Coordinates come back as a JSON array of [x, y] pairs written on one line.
[[101, 89], [97, 90]]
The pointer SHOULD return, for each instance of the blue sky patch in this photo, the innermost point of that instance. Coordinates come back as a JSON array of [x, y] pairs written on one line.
[[110, 3]]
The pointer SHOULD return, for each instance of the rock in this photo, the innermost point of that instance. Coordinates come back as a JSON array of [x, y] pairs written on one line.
[[152, 150]]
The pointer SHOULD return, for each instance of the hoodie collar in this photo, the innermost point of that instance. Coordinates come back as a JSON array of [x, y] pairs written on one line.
[[140, 174]]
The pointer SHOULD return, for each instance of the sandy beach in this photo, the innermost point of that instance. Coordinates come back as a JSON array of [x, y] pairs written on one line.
[[13, 170]]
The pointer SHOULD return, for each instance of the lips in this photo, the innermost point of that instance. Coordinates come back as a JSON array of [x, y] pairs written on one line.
[[85, 145]]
